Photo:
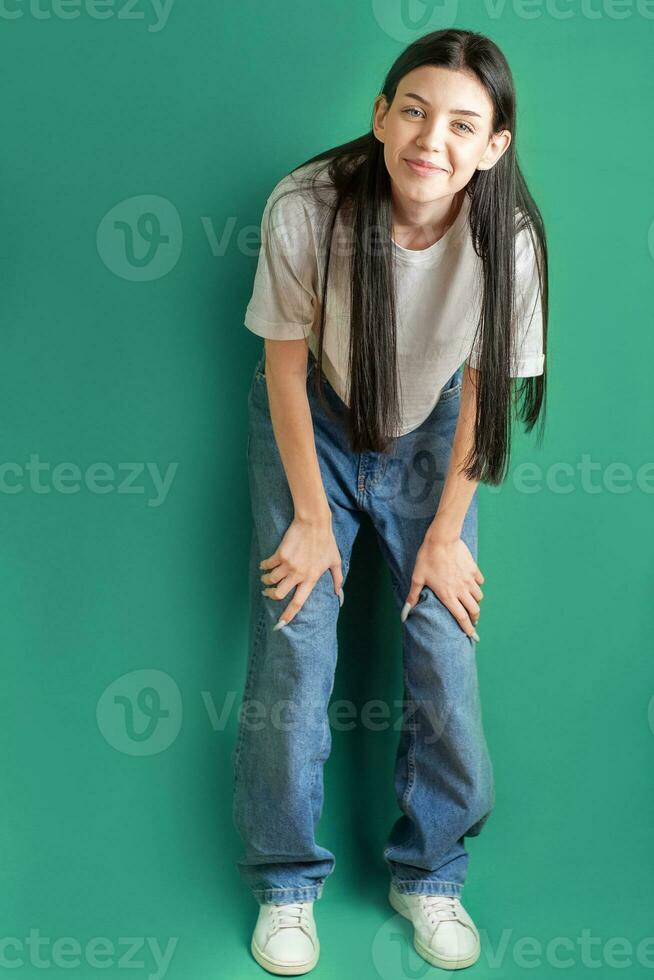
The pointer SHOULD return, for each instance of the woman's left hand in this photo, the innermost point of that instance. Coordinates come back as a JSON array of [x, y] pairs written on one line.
[[445, 564]]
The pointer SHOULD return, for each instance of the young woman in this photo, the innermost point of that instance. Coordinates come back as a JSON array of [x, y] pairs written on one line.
[[402, 291]]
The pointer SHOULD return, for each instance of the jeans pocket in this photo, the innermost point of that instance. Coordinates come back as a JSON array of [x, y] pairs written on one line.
[[453, 386]]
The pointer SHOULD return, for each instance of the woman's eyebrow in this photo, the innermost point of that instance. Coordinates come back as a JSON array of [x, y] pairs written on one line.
[[453, 112]]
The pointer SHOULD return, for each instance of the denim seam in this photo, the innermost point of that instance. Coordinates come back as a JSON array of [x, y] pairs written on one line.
[[411, 754], [428, 886], [325, 735], [426, 881], [248, 685], [289, 888], [316, 761]]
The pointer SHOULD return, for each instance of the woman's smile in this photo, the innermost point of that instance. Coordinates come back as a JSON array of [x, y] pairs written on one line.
[[424, 170]]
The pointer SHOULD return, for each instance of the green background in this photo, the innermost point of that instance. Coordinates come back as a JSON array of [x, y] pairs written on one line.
[[124, 620]]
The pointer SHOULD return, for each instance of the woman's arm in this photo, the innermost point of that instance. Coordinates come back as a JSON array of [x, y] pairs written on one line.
[[458, 490], [444, 561], [308, 547], [286, 379]]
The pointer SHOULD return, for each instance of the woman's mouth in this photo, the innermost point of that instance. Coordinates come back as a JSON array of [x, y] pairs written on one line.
[[424, 169]]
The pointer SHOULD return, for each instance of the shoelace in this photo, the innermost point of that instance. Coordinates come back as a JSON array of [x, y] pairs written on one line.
[[441, 908], [292, 916]]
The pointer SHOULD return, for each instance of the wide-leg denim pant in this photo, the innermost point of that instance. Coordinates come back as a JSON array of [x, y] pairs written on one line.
[[443, 773]]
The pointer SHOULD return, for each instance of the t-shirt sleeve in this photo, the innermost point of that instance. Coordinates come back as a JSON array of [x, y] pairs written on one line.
[[283, 300], [529, 357]]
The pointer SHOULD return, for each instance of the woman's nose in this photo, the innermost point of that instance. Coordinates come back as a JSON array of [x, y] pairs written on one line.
[[432, 136]]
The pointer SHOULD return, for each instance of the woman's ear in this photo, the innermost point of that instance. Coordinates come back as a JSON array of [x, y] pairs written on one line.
[[379, 112], [498, 144]]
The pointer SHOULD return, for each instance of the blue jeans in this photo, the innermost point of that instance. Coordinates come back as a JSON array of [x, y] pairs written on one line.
[[443, 775]]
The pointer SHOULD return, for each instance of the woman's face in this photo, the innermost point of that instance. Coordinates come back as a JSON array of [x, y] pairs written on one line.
[[442, 117]]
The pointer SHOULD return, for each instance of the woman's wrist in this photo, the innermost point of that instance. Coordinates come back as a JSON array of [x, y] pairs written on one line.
[[315, 516], [444, 529]]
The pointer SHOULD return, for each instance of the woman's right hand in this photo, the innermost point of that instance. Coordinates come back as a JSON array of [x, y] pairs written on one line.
[[306, 551]]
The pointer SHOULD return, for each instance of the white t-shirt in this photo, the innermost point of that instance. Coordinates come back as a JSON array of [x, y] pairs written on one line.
[[438, 292]]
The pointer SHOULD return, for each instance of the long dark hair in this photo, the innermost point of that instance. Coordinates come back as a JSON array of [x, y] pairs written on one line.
[[358, 175]]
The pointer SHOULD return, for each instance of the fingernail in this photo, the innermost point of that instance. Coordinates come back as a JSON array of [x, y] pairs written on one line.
[[263, 592], [475, 637], [341, 597], [405, 611], [280, 624]]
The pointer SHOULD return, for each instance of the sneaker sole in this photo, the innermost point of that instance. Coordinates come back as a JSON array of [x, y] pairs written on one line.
[[427, 954], [283, 969]]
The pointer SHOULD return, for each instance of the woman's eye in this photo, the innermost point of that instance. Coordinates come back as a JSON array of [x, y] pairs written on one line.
[[466, 128]]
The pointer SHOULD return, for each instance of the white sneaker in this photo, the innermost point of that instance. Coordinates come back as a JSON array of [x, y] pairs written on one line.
[[285, 940], [444, 934]]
